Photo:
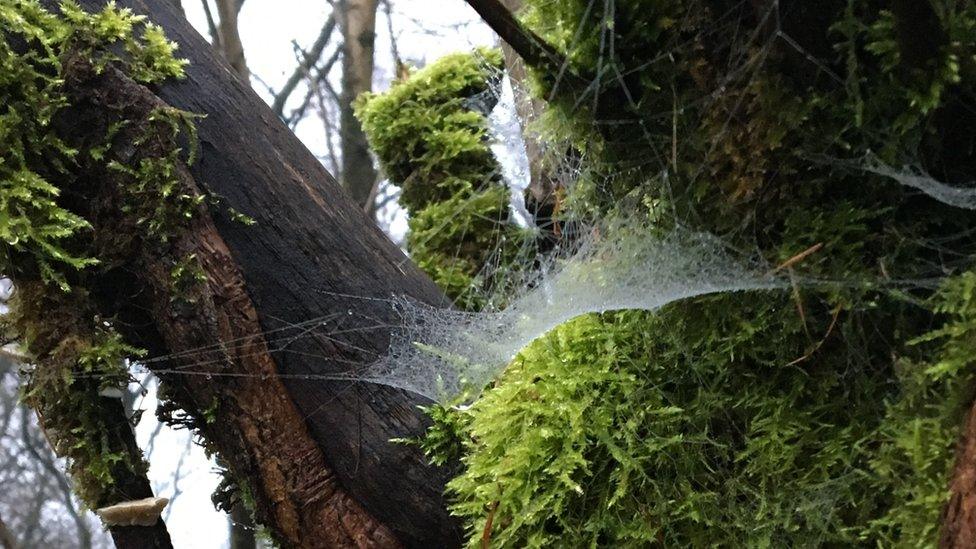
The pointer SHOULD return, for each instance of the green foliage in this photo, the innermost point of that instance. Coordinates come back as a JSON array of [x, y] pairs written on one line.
[[692, 428], [824, 418], [466, 242], [36, 228], [82, 357], [427, 140], [431, 143], [47, 243], [185, 276]]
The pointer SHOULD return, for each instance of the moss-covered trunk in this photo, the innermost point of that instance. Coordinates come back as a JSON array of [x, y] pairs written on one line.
[[760, 121]]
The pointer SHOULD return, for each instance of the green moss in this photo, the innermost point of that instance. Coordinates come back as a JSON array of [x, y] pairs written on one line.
[[77, 356], [431, 143], [427, 140], [691, 428], [47, 244], [827, 417], [37, 230]]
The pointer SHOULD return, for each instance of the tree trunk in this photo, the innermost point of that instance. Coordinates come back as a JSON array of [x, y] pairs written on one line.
[[230, 37], [959, 516], [317, 454], [358, 21], [7, 540]]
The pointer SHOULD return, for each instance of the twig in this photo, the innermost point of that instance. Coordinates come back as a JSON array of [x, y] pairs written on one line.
[[799, 306], [486, 534], [830, 329], [310, 58], [798, 258], [320, 74], [530, 47]]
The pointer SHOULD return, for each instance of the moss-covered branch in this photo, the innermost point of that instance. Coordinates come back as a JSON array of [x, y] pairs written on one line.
[[430, 133], [825, 416]]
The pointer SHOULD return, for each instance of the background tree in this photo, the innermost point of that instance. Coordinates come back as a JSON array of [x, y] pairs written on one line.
[[358, 22]]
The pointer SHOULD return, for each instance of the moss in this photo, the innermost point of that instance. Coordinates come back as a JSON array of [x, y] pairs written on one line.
[[691, 428], [48, 246], [432, 142], [827, 417], [428, 141], [78, 356]]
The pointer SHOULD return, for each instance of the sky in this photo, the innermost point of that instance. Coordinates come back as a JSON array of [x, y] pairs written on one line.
[[425, 30]]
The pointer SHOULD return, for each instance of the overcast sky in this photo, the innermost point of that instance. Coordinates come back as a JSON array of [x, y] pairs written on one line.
[[425, 30]]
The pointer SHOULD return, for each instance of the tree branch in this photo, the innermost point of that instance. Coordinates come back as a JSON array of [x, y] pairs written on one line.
[[46, 461], [211, 24], [320, 74], [311, 57], [529, 46]]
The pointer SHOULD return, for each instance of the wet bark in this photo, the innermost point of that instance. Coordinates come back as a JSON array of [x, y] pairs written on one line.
[[241, 528], [959, 515], [317, 454]]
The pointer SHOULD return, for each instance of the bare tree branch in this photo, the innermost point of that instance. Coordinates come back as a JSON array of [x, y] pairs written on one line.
[[318, 84], [534, 50], [45, 460], [321, 73], [310, 59], [211, 24]]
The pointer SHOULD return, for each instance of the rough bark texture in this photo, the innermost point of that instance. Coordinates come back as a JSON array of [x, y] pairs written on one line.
[[312, 254], [252, 421], [358, 21], [959, 516]]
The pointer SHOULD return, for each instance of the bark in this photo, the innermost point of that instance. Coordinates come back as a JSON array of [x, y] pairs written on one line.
[[959, 515], [127, 484], [255, 425], [358, 22], [317, 453], [529, 46]]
